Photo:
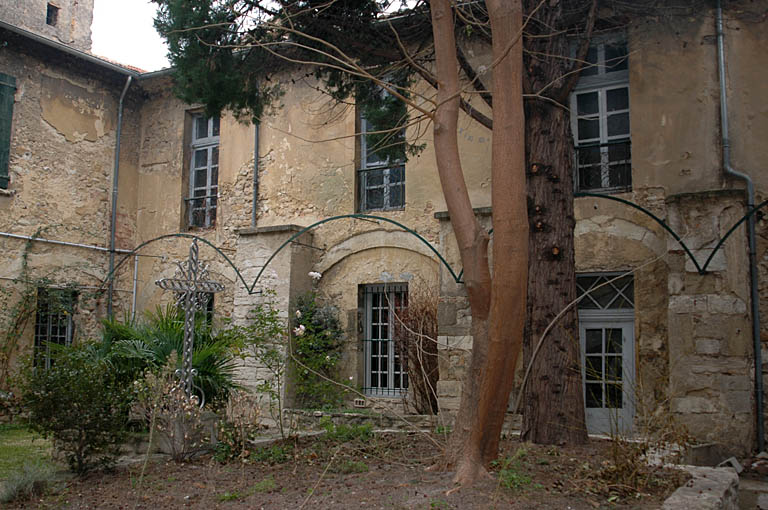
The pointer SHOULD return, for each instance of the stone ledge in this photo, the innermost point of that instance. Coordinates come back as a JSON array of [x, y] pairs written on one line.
[[252, 231], [709, 489], [479, 211], [736, 193]]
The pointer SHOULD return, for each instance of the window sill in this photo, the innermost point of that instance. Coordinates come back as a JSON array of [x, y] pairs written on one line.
[[387, 394], [604, 191], [7, 192], [393, 209]]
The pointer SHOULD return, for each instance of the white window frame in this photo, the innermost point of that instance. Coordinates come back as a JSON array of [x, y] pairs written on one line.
[[606, 419], [601, 83], [204, 216], [395, 369], [387, 169], [53, 326]]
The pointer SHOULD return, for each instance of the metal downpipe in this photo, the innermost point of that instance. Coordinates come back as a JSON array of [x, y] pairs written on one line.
[[750, 191], [115, 175]]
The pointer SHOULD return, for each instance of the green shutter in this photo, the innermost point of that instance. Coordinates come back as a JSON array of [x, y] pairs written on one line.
[[7, 93]]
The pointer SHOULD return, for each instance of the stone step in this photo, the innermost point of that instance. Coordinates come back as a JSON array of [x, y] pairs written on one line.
[[753, 494]]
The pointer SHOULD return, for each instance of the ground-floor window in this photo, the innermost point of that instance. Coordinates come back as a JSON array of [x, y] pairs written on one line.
[[385, 366], [53, 322], [606, 331]]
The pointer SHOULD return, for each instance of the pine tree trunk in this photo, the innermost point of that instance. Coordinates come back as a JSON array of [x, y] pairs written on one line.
[[553, 402], [553, 396]]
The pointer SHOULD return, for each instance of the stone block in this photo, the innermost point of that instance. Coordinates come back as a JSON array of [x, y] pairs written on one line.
[[720, 365], [457, 342], [446, 315], [726, 304], [718, 262], [693, 405], [675, 284], [739, 402], [707, 346], [709, 489], [448, 389], [448, 404], [736, 383], [688, 304]]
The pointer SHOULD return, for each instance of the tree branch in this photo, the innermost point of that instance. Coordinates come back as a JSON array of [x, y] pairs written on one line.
[[474, 78]]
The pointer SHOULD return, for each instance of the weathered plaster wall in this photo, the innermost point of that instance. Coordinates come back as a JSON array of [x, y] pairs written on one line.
[[72, 28], [61, 161]]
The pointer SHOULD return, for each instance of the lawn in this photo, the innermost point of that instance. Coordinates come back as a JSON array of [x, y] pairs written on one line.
[[19, 446]]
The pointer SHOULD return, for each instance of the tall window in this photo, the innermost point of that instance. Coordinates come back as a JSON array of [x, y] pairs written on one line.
[[606, 331], [204, 172], [382, 171], [600, 119], [385, 366], [7, 98], [53, 322]]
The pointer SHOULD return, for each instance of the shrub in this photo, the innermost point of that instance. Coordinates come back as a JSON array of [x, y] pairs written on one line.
[[345, 433], [241, 425], [416, 342], [317, 349], [346, 467], [32, 480], [263, 339], [275, 454], [175, 417], [80, 404]]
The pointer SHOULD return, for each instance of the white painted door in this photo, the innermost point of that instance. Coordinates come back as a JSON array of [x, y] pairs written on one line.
[[608, 372]]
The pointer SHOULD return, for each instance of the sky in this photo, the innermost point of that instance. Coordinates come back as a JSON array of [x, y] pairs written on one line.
[[122, 31]]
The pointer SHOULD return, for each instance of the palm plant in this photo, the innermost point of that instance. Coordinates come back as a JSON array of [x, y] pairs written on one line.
[[132, 347]]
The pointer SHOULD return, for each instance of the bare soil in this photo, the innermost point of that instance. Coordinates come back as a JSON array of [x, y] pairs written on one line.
[[386, 471]]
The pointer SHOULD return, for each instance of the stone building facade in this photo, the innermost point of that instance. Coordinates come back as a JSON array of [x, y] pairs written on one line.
[[681, 340]]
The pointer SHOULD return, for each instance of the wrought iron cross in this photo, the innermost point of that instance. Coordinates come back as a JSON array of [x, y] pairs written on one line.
[[193, 287]]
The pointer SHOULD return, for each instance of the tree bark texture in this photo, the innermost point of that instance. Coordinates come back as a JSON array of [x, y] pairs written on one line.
[[553, 410]]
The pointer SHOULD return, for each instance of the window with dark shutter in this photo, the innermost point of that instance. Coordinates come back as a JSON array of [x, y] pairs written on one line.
[[7, 93]]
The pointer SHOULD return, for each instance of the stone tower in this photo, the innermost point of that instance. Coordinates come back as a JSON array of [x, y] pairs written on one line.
[[64, 21]]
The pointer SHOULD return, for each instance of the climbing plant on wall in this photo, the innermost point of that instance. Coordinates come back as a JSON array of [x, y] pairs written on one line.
[[317, 349]]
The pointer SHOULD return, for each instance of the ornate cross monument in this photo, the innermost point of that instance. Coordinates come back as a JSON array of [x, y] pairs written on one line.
[[193, 288]]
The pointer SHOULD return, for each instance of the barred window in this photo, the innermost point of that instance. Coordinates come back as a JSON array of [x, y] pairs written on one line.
[[53, 322], [385, 366]]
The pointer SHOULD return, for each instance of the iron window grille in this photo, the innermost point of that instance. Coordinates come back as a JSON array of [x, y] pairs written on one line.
[[382, 180], [600, 125], [604, 294], [204, 172], [386, 373], [53, 322]]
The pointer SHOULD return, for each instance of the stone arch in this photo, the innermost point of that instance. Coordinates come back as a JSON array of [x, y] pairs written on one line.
[[602, 240], [372, 240]]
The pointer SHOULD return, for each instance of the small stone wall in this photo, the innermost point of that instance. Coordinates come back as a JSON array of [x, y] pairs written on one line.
[[310, 420], [709, 489]]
